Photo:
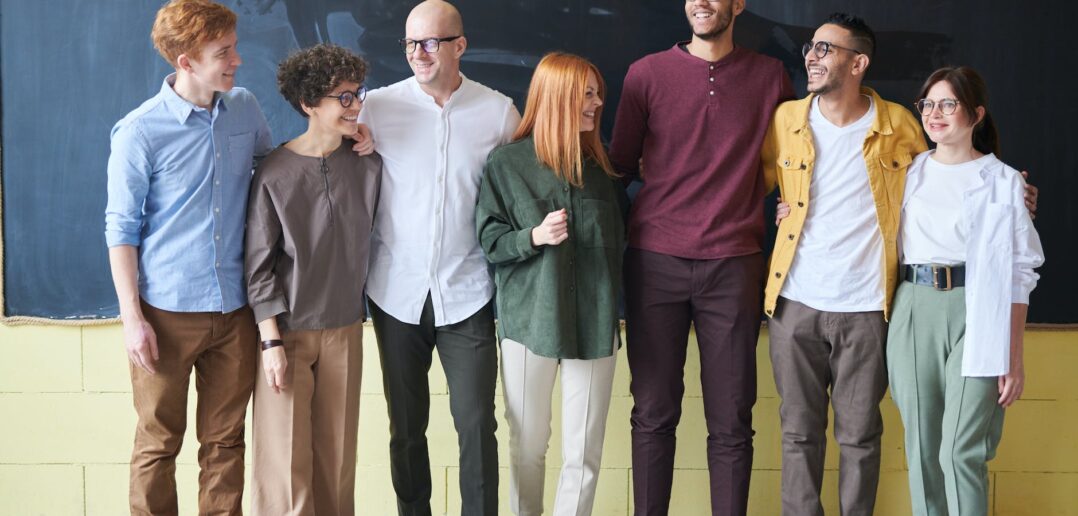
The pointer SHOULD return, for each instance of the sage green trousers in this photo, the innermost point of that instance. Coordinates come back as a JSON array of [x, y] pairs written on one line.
[[953, 423]]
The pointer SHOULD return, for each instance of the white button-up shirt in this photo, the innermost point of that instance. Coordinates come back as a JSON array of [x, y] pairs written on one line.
[[1002, 250], [424, 237]]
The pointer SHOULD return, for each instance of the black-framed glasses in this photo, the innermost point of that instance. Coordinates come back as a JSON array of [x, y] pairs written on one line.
[[947, 106], [347, 98], [822, 48], [430, 45]]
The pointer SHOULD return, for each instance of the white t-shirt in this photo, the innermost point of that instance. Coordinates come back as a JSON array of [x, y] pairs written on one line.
[[933, 229], [837, 266]]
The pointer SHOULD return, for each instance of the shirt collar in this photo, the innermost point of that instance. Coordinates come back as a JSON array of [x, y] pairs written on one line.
[[425, 97], [180, 108]]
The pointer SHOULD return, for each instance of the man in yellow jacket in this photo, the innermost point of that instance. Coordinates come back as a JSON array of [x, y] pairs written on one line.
[[839, 158]]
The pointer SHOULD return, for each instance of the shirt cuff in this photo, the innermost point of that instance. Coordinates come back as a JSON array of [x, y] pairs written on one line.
[[524, 244], [271, 307], [115, 238]]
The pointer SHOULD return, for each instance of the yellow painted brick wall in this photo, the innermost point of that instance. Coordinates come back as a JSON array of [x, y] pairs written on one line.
[[66, 427]]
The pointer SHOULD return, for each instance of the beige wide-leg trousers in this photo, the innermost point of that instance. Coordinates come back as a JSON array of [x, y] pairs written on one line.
[[305, 436]]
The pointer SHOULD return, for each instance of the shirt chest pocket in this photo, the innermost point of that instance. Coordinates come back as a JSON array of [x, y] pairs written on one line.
[[597, 224], [241, 149], [793, 172]]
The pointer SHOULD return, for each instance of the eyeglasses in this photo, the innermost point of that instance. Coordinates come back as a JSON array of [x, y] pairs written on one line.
[[947, 106], [822, 48], [430, 45], [346, 98]]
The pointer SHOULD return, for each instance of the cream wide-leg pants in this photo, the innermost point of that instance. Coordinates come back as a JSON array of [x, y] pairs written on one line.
[[528, 382]]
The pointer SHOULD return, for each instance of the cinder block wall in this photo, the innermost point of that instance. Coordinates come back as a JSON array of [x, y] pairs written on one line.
[[66, 427]]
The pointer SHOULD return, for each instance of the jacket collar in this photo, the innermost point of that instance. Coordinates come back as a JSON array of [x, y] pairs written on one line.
[[881, 124]]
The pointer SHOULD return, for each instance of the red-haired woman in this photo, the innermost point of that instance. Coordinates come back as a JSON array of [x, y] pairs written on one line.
[[551, 220], [954, 345]]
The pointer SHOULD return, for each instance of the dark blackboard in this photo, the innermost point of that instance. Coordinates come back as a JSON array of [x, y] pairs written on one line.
[[69, 69]]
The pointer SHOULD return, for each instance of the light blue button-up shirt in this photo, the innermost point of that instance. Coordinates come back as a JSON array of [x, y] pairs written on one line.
[[178, 178]]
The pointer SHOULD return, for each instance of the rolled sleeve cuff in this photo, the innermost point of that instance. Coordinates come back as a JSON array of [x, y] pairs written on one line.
[[1022, 286], [269, 308], [114, 238], [524, 244]]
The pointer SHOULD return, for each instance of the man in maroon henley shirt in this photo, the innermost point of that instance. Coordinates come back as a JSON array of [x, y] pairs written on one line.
[[690, 123]]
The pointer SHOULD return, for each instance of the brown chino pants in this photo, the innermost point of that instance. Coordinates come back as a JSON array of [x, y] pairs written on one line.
[[304, 442], [221, 348], [821, 358]]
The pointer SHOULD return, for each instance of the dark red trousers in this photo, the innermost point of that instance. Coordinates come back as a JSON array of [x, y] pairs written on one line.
[[721, 298]]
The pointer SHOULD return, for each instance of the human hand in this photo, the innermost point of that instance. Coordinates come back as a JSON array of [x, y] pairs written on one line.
[[364, 141], [1011, 386], [553, 230], [141, 343], [781, 211], [275, 364], [1030, 196]]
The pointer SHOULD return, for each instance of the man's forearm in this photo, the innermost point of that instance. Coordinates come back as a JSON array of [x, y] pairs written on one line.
[[124, 262]]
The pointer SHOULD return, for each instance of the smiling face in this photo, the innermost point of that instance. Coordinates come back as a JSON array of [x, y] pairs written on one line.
[[830, 72], [709, 19], [215, 65], [953, 129], [437, 69], [330, 116], [591, 103]]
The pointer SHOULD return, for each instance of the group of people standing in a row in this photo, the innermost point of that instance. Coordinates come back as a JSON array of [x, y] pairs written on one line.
[[411, 191]]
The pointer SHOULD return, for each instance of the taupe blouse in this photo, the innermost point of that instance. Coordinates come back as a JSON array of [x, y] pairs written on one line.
[[308, 237]]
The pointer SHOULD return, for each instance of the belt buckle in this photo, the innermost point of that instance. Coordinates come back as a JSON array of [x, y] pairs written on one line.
[[936, 277]]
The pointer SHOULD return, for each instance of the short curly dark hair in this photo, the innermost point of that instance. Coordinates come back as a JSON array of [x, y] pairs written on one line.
[[310, 73]]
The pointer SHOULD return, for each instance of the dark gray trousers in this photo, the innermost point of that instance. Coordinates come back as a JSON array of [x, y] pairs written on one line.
[[816, 356], [469, 355]]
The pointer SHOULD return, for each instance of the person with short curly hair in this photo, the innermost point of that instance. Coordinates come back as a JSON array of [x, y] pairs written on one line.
[[309, 222]]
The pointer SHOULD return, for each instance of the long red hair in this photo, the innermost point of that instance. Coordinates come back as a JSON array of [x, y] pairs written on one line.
[[552, 117]]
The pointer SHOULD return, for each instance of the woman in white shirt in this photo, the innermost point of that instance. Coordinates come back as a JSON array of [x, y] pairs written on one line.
[[954, 346]]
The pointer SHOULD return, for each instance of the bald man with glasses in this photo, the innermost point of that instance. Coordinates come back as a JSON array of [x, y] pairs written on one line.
[[429, 285]]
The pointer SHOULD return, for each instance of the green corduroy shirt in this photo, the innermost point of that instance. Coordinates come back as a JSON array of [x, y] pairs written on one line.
[[559, 301]]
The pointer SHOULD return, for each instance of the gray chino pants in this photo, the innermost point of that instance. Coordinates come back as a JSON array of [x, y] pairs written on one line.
[[821, 358]]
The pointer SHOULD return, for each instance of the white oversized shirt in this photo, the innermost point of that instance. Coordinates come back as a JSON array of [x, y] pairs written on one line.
[[424, 237], [837, 264], [1002, 249]]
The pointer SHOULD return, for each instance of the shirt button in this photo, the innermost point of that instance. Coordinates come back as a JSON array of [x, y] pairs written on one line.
[[217, 210], [800, 204], [566, 189], [218, 237], [791, 235], [712, 67], [712, 79], [217, 182], [712, 92], [218, 264], [778, 274], [218, 154]]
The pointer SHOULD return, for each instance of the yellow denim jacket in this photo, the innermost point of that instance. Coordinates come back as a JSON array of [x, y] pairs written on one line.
[[788, 157]]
